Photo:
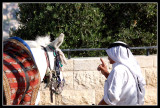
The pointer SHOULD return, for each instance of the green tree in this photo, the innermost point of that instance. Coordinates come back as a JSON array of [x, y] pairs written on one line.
[[133, 23], [80, 22], [90, 25]]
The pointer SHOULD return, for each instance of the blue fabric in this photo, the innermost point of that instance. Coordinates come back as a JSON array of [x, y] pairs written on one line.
[[23, 42]]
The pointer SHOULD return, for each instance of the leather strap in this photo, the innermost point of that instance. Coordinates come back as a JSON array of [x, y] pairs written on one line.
[[47, 57]]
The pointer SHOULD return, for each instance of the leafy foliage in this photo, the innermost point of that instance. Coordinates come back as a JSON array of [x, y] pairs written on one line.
[[90, 25]]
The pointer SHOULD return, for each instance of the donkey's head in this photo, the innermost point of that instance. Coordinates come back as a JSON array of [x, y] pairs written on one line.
[[56, 44]]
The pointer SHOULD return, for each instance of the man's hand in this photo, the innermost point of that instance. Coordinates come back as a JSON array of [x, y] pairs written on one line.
[[102, 102], [103, 68]]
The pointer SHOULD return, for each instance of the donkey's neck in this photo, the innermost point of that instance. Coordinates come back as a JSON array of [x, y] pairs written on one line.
[[40, 59]]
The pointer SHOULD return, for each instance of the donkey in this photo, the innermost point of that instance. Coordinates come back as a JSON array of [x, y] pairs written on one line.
[[40, 58], [42, 47]]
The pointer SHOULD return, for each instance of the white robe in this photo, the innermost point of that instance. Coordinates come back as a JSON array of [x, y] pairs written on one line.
[[120, 87], [125, 84]]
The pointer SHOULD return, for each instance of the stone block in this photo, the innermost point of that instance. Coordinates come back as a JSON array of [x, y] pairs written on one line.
[[76, 97], [145, 61], [68, 66], [87, 64], [88, 80], [143, 73], [155, 61], [150, 95], [43, 87], [68, 76], [45, 98], [151, 76], [99, 95]]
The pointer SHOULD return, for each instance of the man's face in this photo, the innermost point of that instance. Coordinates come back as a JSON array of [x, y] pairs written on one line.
[[110, 60]]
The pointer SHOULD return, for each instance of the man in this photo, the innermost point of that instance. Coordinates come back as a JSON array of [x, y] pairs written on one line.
[[125, 83]]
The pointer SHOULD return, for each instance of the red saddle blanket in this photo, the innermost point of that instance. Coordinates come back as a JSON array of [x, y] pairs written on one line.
[[14, 77]]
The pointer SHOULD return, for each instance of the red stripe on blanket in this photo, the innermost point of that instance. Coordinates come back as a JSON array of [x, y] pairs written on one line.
[[15, 74]]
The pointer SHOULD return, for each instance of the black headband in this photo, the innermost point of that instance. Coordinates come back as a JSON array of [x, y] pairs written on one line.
[[118, 44]]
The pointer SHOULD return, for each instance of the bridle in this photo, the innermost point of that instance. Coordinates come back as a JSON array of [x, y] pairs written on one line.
[[55, 82], [57, 60]]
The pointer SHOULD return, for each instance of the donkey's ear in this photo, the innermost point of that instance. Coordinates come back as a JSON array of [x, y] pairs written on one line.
[[58, 41]]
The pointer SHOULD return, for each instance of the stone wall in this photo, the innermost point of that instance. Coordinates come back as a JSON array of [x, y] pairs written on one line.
[[84, 84]]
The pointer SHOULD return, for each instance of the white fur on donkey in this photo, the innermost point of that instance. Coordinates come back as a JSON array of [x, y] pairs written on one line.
[[39, 54]]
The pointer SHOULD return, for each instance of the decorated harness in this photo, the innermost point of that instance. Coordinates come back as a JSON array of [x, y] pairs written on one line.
[[55, 82]]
